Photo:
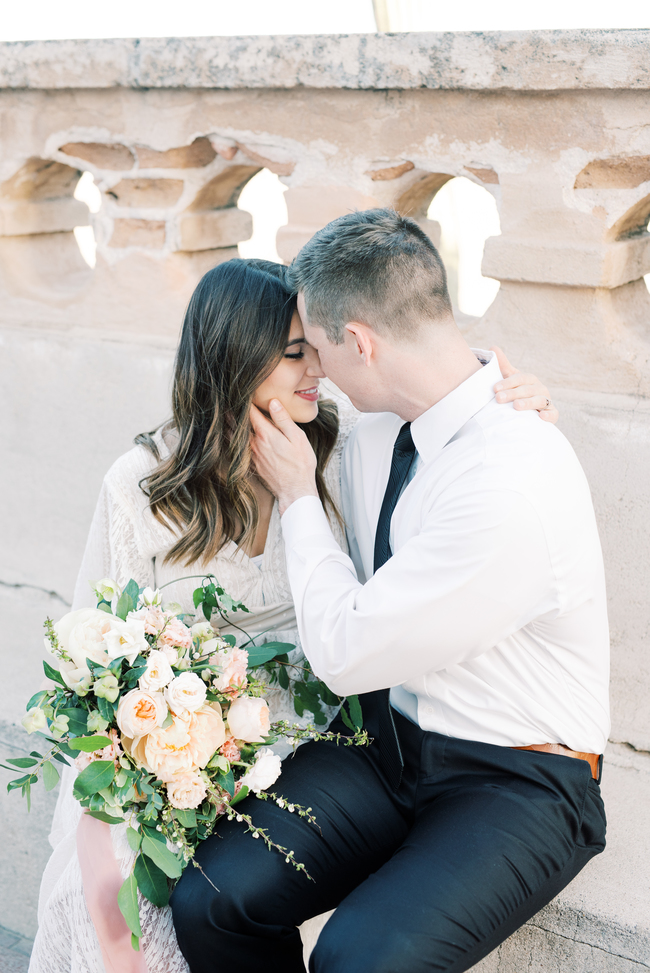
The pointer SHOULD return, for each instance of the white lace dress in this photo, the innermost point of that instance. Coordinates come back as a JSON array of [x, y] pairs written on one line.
[[126, 541]]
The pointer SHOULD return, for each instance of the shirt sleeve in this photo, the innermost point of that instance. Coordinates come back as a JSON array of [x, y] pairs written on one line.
[[477, 571]]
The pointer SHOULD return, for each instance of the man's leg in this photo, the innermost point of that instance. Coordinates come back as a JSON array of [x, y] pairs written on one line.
[[487, 850], [250, 923]]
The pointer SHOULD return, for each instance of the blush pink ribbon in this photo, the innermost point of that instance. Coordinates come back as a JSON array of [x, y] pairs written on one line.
[[101, 882]]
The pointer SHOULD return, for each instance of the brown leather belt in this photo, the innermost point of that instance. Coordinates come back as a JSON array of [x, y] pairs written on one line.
[[595, 760]]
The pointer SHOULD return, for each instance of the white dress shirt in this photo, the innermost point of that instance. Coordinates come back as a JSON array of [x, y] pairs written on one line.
[[489, 622]]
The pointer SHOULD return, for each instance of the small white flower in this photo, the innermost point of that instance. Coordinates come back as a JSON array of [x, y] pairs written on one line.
[[150, 597], [185, 693], [106, 589], [203, 631], [159, 672], [264, 772]]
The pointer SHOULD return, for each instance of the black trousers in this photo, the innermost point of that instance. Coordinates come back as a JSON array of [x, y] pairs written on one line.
[[431, 877]]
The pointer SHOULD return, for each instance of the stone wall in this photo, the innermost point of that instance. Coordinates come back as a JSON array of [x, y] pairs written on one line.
[[553, 124]]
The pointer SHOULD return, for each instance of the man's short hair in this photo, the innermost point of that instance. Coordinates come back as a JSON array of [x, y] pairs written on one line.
[[376, 267]]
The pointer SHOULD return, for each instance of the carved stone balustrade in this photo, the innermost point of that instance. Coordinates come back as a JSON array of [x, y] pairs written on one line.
[[553, 124]]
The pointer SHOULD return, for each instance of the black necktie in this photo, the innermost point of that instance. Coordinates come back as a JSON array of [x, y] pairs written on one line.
[[379, 701]]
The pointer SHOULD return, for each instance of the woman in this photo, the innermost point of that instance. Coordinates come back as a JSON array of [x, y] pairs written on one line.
[[186, 502]]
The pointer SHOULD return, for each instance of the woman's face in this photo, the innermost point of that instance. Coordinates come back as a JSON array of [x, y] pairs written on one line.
[[295, 379]]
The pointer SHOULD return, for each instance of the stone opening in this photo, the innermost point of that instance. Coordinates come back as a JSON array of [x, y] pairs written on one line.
[[468, 215], [87, 192], [263, 198]]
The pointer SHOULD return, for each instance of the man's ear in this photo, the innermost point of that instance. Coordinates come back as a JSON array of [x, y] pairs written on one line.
[[365, 340]]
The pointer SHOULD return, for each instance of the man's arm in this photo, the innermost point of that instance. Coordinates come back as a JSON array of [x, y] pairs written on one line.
[[475, 574]]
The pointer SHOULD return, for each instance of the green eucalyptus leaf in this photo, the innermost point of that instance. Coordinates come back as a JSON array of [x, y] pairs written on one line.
[[106, 709], [36, 699], [22, 761], [186, 817], [50, 775], [227, 781], [78, 720], [105, 607], [54, 674], [134, 839], [354, 707], [127, 900], [197, 596], [259, 654], [90, 744], [162, 857], [96, 777], [152, 881], [103, 816], [240, 795], [60, 759]]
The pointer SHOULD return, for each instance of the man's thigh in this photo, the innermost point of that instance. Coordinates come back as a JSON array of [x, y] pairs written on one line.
[[474, 867], [359, 825]]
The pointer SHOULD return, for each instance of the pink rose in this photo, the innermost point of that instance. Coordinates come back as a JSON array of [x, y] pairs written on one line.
[[186, 790], [187, 745], [230, 750], [233, 664], [176, 634]]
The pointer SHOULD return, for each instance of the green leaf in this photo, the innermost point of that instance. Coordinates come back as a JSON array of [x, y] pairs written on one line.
[[50, 775], [197, 596], [154, 834], [259, 654], [127, 900], [125, 604], [133, 590], [230, 640], [103, 816], [346, 719], [36, 699], [78, 718], [134, 839], [299, 706], [106, 709], [283, 677], [97, 775], [354, 707], [27, 794], [53, 674], [105, 607], [162, 857], [21, 781], [240, 795], [186, 818], [90, 744], [60, 759], [169, 719], [227, 781], [22, 761], [152, 882]]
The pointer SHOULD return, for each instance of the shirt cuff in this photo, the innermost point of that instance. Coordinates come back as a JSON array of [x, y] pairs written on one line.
[[304, 518]]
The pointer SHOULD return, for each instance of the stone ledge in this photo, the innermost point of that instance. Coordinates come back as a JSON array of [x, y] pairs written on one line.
[[514, 60]]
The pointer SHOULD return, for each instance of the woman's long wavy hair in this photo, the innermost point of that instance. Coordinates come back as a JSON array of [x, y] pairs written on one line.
[[235, 332]]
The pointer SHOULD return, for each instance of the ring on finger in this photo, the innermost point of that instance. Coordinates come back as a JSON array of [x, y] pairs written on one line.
[[548, 404]]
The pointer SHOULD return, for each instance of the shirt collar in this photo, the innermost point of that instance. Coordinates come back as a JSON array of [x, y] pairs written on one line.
[[434, 428]]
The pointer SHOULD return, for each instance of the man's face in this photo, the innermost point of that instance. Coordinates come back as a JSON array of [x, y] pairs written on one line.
[[341, 363]]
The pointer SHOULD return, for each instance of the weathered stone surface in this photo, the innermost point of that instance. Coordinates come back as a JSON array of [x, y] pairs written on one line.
[[41, 179], [224, 189], [215, 229], [200, 153], [147, 193], [46, 216], [614, 173], [138, 233], [104, 156], [514, 60]]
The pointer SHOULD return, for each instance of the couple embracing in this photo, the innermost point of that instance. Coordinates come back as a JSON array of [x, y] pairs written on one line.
[[437, 554]]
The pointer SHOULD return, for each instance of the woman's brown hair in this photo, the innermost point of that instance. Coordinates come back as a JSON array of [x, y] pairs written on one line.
[[235, 332]]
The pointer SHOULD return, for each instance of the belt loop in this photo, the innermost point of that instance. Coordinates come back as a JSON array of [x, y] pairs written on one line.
[[600, 768]]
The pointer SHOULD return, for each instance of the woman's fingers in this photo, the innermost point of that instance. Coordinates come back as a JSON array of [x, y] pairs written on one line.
[[523, 391], [504, 365]]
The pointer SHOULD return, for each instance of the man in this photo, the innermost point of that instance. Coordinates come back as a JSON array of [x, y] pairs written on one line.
[[471, 620]]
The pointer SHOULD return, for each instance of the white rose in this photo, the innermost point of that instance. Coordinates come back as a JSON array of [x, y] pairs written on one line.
[[264, 772], [249, 720], [185, 692], [158, 674], [128, 639], [93, 634], [140, 713]]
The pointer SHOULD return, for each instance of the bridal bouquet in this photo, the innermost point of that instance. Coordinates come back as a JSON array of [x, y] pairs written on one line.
[[167, 725]]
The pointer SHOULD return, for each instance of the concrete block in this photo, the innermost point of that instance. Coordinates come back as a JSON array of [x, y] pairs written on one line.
[[567, 262], [138, 233], [147, 193], [200, 153], [214, 229], [26, 217], [102, 155]]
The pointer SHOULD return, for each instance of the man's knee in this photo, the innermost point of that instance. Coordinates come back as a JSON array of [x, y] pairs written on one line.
[[350, 945]]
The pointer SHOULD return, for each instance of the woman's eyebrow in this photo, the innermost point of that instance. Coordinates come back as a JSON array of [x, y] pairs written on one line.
[[296, 341]]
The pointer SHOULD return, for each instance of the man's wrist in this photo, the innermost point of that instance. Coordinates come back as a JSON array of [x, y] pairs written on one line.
[[297, 492]]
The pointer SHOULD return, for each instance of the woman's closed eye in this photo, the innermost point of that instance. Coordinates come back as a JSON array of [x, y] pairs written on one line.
[[295, 355]]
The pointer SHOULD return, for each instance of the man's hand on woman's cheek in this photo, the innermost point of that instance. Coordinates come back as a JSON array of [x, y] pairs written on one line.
[[284, 459]]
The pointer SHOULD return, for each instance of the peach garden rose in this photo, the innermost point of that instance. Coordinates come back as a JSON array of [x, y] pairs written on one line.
[[139, 712]]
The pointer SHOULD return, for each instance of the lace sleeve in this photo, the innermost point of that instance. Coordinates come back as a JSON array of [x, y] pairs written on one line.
[[114, 546]]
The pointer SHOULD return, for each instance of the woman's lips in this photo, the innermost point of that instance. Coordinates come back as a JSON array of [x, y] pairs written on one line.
[[311, 395]]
